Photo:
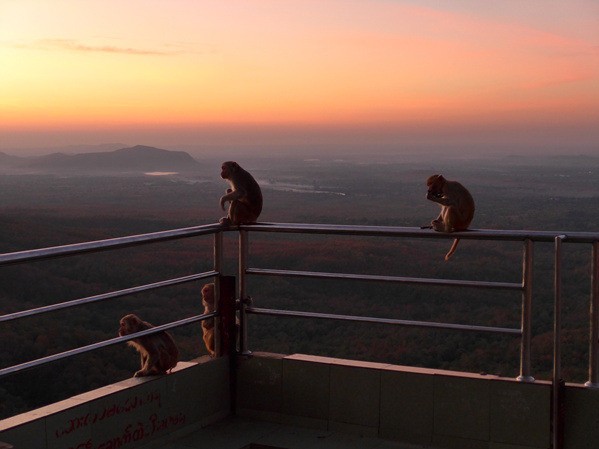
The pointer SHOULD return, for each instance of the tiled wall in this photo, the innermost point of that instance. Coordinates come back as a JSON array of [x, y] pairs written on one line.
[[418, 406], [129, 413]]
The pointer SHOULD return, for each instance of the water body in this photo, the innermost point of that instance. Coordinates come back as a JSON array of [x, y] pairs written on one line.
[[161, 173], [297, 188]]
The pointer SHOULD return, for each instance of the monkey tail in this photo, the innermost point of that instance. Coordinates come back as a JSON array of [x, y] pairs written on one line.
[[454, 246]]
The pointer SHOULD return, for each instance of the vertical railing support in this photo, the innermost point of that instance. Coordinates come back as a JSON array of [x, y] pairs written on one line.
[[594, 321], [218, 265], [526, 327], [228, 331], [243, 324], [557, 382]]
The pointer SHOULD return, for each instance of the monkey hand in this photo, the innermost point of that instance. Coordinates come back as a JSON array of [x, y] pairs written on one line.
[[223, 202], [432, 195]]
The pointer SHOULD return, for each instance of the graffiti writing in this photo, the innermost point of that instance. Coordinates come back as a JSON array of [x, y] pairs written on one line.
[[139, 431], [127, 406]]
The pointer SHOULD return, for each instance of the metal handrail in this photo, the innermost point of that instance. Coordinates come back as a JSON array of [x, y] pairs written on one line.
[[399, 231], [525, 236], [391, 279], [105, 296], [374, 320], [102, 344], [556, 396], [524, 287], [105, 245], [109, 244]]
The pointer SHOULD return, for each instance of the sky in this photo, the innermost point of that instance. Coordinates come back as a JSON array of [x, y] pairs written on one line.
[[292, 73]]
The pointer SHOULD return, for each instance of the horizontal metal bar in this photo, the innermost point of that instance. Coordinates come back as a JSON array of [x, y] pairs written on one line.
[[102, 344], [396, 231], [394, 279], [105, 296], [389, 231], [103, 245], [425, 324]]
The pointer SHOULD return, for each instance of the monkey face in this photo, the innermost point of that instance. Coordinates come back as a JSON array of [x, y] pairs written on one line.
[[208, 293], [227, 169], [129, 324], [435, 186], [122, 328]]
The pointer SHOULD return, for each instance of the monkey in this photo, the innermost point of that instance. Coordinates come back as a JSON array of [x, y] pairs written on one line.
[[244, 196], [208, 325], [158, 352], [457, 207]]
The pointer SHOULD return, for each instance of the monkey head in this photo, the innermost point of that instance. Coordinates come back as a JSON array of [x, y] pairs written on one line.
[[435, 185], [208, 294], [129, 324], [228, 169]]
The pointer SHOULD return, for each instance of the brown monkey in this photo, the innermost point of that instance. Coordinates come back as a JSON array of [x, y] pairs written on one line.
[[457, 207], [244, 196], [158, 352], [208, 325]]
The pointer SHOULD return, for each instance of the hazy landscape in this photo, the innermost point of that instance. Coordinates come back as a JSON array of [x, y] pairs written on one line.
[[56, 199]]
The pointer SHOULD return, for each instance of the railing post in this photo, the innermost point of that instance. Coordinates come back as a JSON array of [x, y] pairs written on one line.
[[557, 382], [228, 331], [218, 262], [243, 324], [594, 318], [526, 327]]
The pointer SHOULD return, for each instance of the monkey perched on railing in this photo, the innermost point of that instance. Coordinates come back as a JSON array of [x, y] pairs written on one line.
[[244, 196], [158, 352], [457, 207]]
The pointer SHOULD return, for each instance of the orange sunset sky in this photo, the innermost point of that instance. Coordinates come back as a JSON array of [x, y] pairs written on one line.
[[283, 72]]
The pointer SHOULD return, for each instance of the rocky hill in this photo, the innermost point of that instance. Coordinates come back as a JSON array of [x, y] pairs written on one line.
[[137, 159]]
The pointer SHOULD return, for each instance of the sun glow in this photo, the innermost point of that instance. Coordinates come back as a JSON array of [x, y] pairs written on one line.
[[89, 64]]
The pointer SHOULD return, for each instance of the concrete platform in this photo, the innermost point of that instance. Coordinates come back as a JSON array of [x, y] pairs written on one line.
[[244, 433], [298, 401]]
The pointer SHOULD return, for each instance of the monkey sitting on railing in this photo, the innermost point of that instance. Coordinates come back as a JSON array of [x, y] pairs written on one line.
[[457, 207], [158, 352], [244, 196]]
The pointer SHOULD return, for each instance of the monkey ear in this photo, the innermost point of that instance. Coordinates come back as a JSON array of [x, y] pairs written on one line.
[[432, 179]]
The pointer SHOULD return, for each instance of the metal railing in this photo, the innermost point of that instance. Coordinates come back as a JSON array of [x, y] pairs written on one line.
[[528, 238], [111, 244]]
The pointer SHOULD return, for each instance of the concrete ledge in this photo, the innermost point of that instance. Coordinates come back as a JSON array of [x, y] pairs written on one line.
[[130, 413], [424, 407], [581, 417], [436, 408]]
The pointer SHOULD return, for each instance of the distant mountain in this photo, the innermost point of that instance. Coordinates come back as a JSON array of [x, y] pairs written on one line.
[[6, 160], [126, 160]]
